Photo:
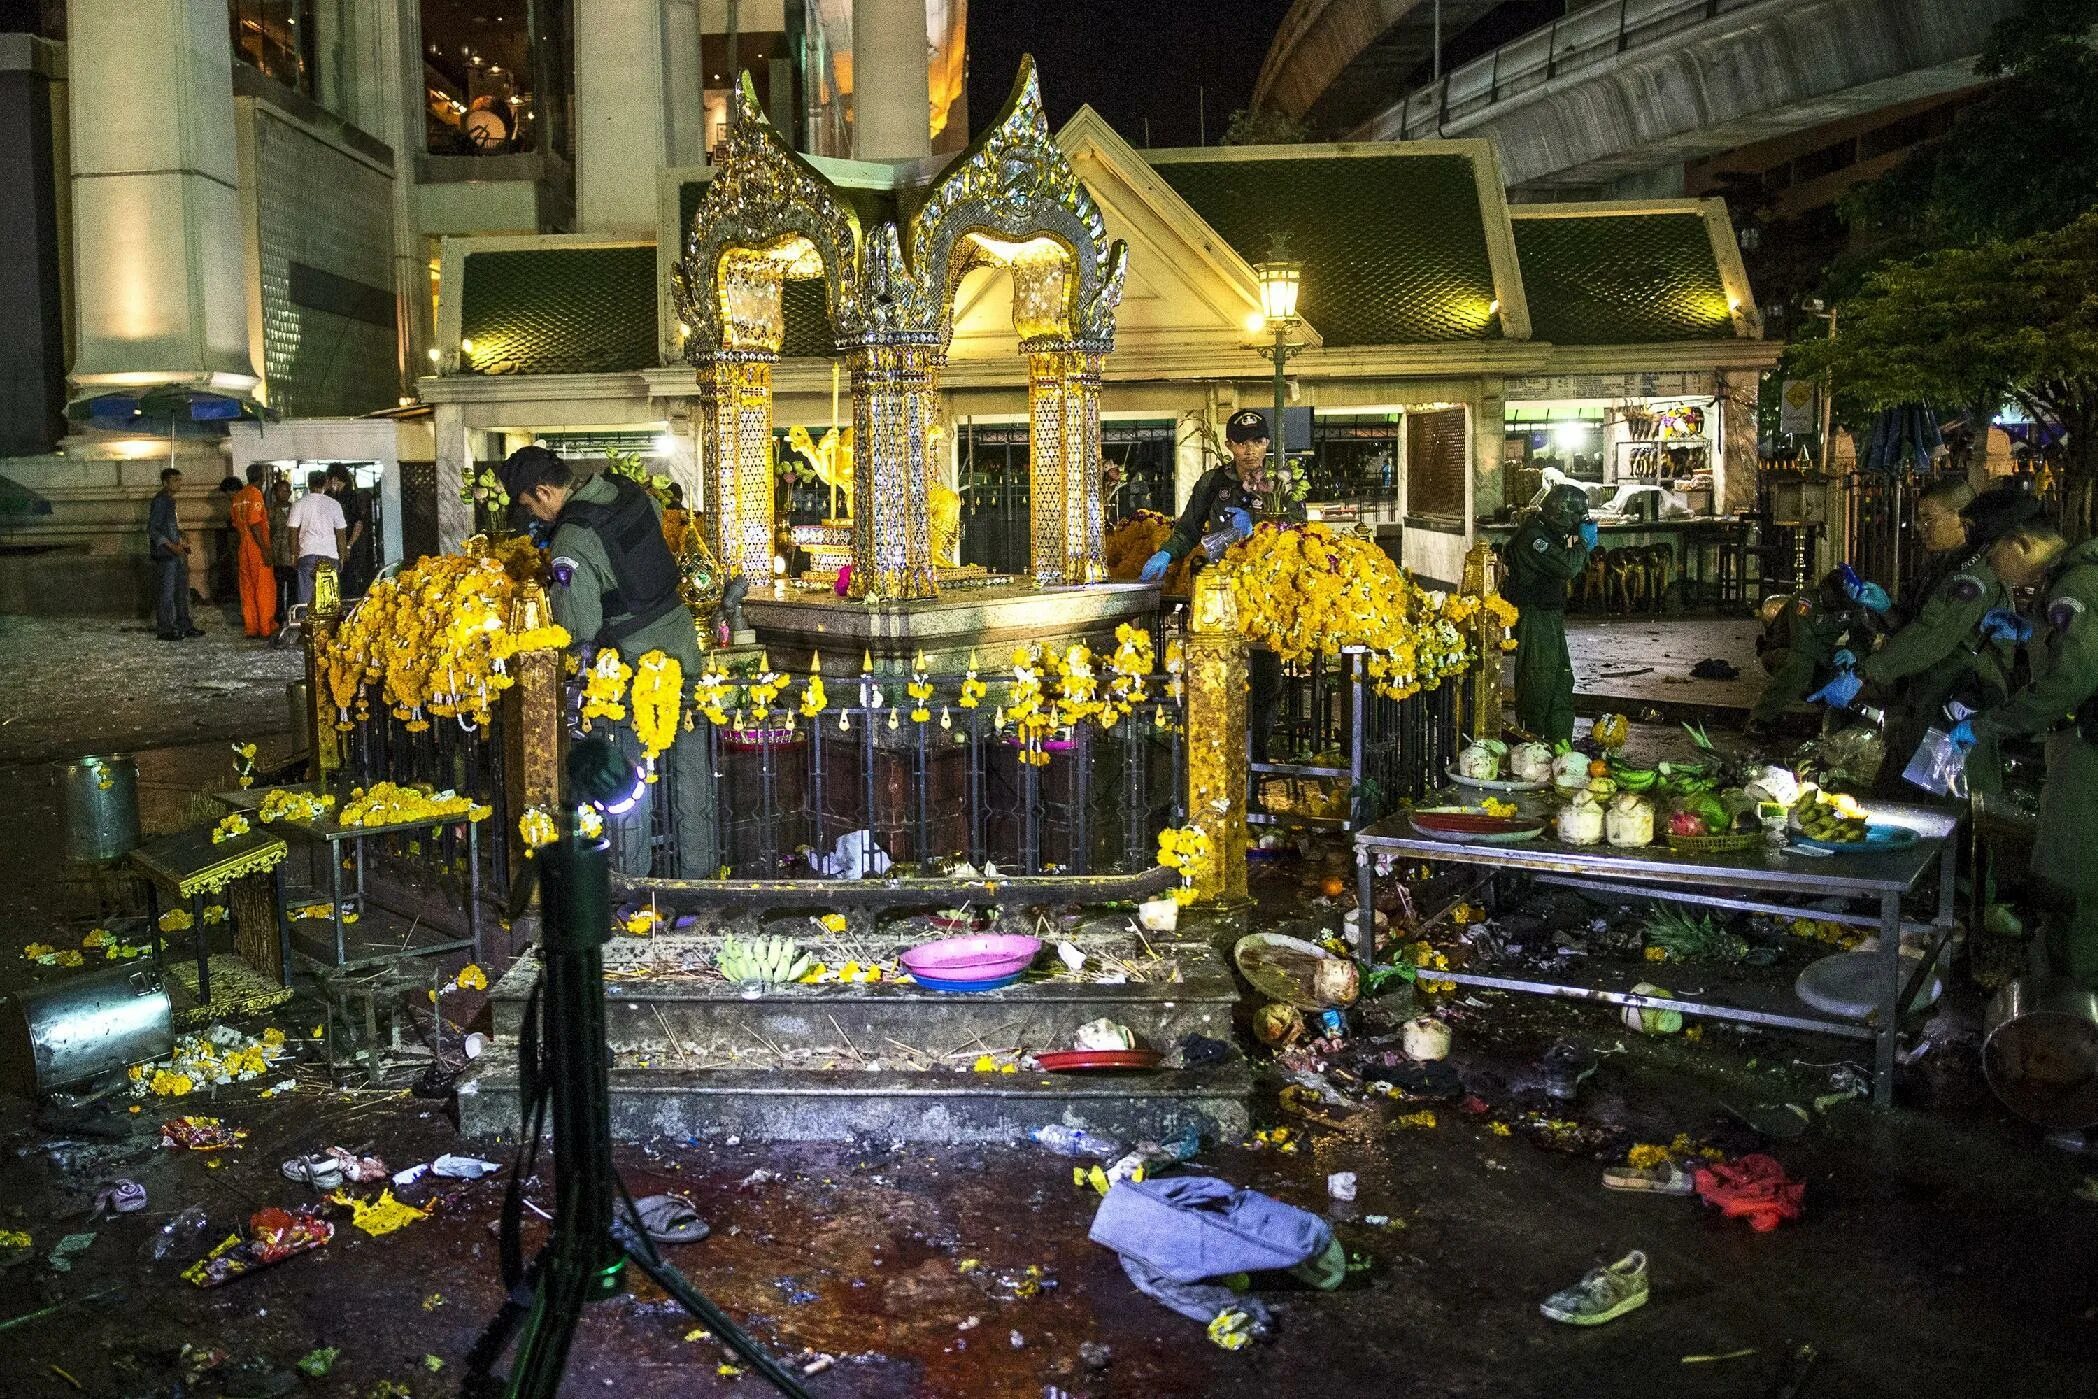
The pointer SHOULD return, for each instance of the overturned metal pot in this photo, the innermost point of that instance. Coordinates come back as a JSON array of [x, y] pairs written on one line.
[[78, 1029], [2039, 1051]]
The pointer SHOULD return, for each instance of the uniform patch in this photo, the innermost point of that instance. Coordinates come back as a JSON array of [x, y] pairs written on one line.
[[564, 571], [1966, 588], [2062, 612], [1541, 544]]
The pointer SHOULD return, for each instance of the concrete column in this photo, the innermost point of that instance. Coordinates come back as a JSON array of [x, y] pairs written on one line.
[[157, 242], [1737, 480], [455, 463], [892, 90], [622, 115], [684, 83], [382, 95]]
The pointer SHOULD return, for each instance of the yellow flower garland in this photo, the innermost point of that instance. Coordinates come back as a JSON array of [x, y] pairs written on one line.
[[658, 694], [390, 804], [604, 687]]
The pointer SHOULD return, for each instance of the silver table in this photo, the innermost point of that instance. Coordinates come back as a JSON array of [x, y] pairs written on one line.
[[1728, 881]]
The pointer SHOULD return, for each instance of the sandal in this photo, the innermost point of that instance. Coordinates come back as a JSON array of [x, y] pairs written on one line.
[[1665, 1179], [669, 1219]]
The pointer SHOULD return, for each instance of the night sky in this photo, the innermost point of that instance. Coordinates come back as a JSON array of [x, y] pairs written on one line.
[[1129, 59]]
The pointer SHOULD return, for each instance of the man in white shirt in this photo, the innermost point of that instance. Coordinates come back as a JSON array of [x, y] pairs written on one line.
[[318, 521]]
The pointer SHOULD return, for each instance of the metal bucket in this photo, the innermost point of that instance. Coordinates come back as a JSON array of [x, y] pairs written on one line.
[[296, 696], [86, 1025], [2039, 1052], [99, 799]]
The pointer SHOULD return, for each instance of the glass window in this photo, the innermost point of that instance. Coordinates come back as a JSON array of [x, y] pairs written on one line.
[[1437, 469], [1355, 457], [489, 88], [275, 37]]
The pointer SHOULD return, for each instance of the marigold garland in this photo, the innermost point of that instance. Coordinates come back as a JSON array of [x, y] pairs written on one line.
[[390, 804], [658, 695], [605, 686]]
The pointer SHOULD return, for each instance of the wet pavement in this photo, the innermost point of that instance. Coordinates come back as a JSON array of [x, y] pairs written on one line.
[[1630, 663], [1943, 1249]]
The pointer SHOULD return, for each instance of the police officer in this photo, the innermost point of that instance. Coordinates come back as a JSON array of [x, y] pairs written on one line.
[[1225, 503], [2060, 702], [1940, 654], [1812, 638], [616, 584], [1548, 551]]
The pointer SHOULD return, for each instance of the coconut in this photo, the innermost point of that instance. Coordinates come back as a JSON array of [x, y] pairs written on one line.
[[1335, 982], [1103, 1034], [1570, 769], [1530, 762], [1480, 763], [1581, 820], [1278, 1025], [1425, 1038], [1630, 821]]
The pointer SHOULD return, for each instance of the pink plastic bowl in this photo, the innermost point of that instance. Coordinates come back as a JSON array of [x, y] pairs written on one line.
[[978, 957]]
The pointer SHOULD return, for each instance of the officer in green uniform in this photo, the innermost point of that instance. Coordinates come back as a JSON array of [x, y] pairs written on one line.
[[1547, 552], [615, 584], [2060, 702], [1939, 653], [1226, 502], [1811, 639]]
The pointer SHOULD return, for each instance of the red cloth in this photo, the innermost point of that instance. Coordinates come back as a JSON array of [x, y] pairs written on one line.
[[1754, 1188]]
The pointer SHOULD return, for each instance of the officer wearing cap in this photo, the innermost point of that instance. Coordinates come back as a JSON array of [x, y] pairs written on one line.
[[2060, 702], [615, 584], [1225, 503], [1547, 552]]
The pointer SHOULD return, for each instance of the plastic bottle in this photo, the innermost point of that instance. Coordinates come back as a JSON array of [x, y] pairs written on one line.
[[1075, 1141], [183, 1233]]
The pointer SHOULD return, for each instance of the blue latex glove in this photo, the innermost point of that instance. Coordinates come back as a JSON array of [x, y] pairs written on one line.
[[2002, 624], [1845, 658], [1870, 596], [1839, 692], [1238, 522], [1156, 566], [1589, 533], [1962, 734]]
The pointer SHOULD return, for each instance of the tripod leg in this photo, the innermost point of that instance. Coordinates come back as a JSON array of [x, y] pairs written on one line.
[[654, 1266]]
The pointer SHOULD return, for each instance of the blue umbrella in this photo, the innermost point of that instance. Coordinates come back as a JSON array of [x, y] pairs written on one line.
[[1903, 439]]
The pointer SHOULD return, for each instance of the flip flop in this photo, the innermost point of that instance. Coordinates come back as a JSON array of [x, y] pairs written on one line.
[[669, 1219], [1665, 1179]]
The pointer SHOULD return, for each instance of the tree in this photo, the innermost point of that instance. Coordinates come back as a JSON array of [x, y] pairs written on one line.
[[2009, 320], [2019, 159], [1264, 128]]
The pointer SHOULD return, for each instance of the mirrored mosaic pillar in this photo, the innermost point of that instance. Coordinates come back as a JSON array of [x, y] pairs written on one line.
[[735, 447], [894, 388], [1064, 510], [1217, 773]]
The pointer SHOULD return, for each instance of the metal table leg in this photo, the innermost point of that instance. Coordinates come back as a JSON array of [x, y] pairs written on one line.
[[473, 886], [1889, 1030], [283, 925], [1366, 907], [196, 918], [153, 925], [335, 907]]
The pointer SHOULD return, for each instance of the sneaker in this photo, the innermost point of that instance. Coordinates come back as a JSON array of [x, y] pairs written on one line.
[[1604, 1295], [1565, 1066], [1665, 1179]]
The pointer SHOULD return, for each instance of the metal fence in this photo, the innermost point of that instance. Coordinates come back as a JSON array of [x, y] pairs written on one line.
[[1332, 728]]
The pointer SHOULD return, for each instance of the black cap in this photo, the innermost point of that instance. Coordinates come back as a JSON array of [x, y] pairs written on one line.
[[1247, 425], [1999, 510], [529, 467]]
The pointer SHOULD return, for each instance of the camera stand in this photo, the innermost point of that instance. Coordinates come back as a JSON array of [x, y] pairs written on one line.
[[562, 1056]]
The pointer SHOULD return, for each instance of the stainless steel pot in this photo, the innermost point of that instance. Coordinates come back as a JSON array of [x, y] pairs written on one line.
[[2039, 1051], [100, 802], [83, 1026]]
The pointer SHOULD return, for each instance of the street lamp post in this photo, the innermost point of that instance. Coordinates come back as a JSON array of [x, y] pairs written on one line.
[[1280, 280]]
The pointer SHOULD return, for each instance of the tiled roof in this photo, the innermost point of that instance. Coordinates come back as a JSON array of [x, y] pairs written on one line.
[[1393, 246], [1622, 279], [559, 310]]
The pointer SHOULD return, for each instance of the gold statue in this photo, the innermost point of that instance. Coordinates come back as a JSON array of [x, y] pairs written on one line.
[[832, 458], [944, 505]]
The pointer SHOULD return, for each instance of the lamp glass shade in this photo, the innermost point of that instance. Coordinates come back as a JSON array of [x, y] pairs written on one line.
[[1279, 281]]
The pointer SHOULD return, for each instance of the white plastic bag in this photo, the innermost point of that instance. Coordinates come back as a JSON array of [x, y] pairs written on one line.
[[1939, 766]]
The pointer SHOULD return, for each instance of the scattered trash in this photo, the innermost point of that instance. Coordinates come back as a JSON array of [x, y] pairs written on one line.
[[200, 1134], [273, 1236], [316, 1363], [1341, 1185], [1233, 1329], [381, 1216], [1103, 1033], [1714, 668], [1095, 1355], [1294, 971], [1160, 915], [1070, 956], [181, 1233], [1649, 1020], [2088, 1191], [1565, 1067], [68, 1248], [855, 856], [332, 1167], [1754, 1188], [1667, 1178], [1425, 1038], [1603, 1295], [1278, 1025], [1076, 1141], [1741, 1354], [120, 1196], [463, 1167]]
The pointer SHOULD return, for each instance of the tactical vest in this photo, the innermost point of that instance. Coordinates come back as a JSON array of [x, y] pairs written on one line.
[[644, 575]]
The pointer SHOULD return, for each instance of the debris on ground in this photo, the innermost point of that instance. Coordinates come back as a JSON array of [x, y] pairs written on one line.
[[1754, 1188], [1605, 1294], [273, 1236]]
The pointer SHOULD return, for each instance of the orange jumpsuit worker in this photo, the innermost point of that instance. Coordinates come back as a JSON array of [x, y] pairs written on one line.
[[258, 581]]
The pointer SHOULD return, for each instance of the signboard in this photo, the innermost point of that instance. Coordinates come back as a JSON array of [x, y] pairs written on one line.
[[1798, 413]]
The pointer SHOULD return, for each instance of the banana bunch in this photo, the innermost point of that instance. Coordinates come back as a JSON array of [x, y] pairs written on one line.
[[1836, 819], [773, 961], [1635, 779]]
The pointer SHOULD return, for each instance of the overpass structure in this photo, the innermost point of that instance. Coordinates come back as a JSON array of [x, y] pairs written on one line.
[[1616, 96]]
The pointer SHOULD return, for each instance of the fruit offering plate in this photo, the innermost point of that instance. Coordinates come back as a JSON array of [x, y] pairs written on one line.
[[1497, 784], [1462, 824], [1879, 840]]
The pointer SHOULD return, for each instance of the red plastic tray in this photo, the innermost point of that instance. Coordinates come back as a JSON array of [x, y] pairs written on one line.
[[1066, 1060]]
